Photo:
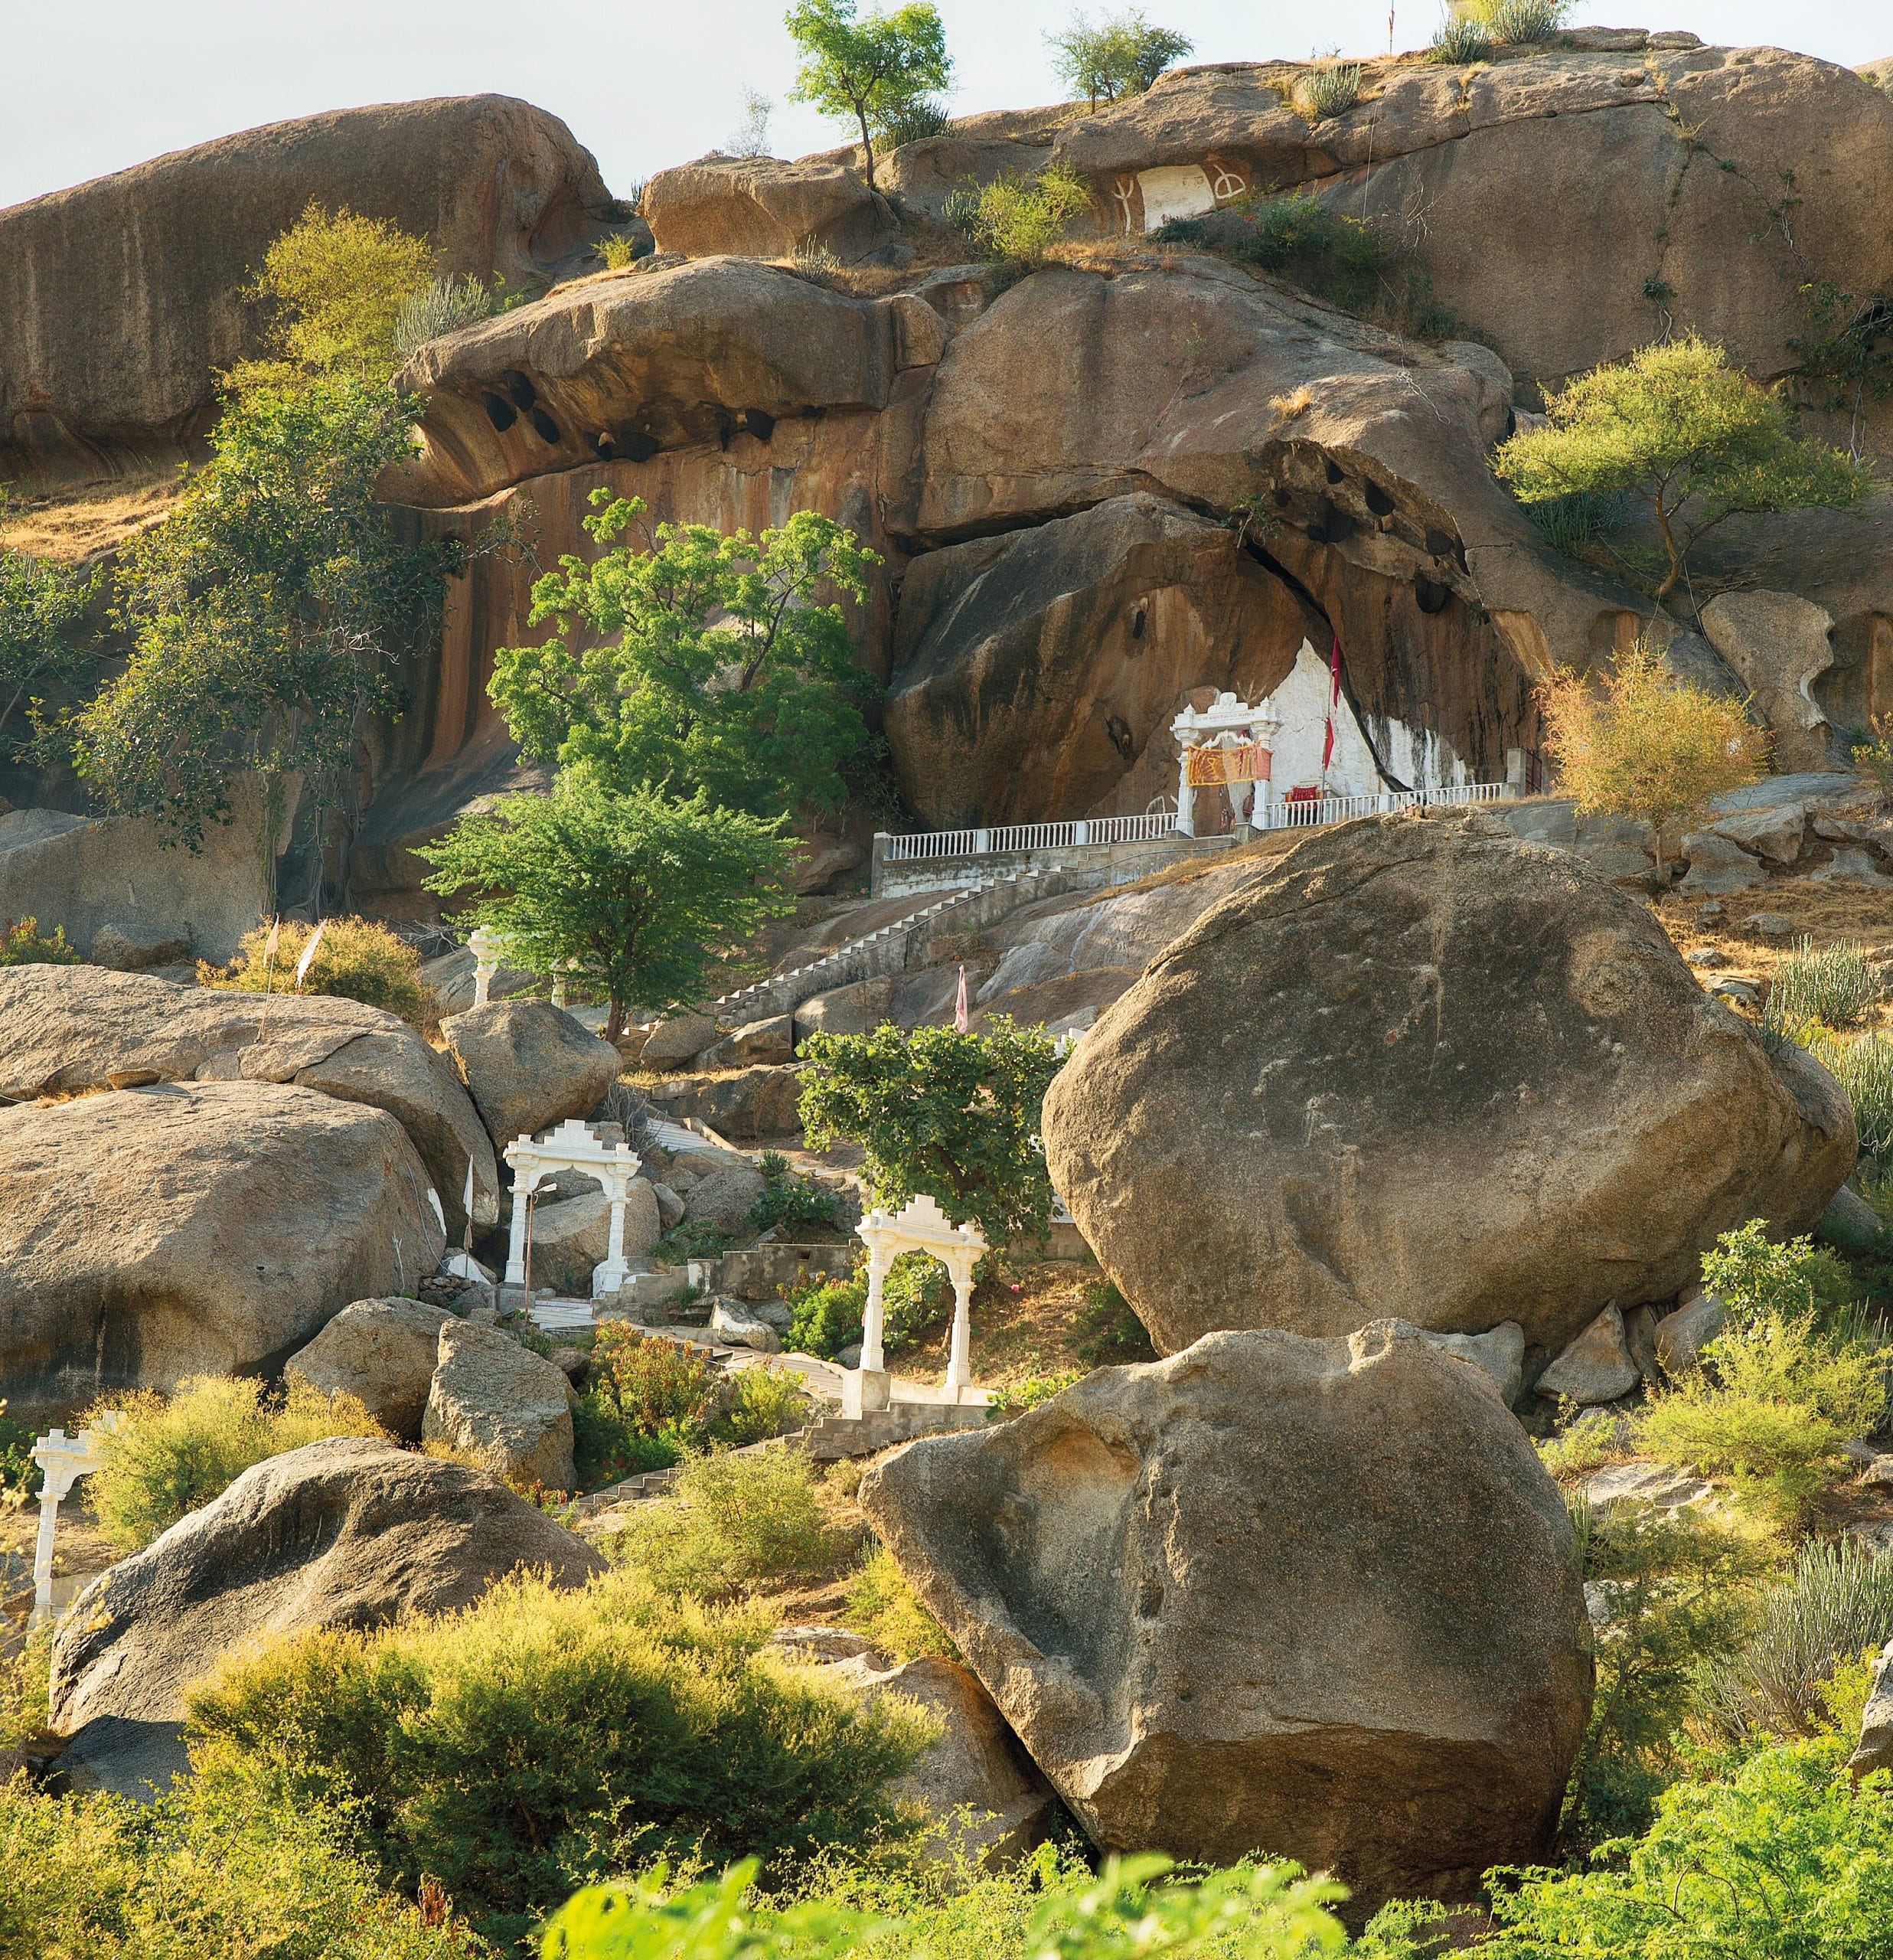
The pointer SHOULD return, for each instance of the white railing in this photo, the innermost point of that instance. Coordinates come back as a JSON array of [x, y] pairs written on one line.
[[1006, 839]]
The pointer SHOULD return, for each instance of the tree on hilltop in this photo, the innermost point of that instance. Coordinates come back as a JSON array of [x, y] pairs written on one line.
[[1121, 56], [868, 70], [1692, 439]]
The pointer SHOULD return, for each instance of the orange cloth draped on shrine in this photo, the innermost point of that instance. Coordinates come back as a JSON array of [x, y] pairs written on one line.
[[1209, 768]]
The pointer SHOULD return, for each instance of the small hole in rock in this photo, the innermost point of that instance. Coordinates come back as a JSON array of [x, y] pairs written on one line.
[[499, 411]]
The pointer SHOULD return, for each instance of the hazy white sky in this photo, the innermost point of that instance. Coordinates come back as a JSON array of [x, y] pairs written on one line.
[[94, 85]]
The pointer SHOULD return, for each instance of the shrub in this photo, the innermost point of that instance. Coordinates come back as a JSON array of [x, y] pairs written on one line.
[[1524, 22], [789, 1204], [1051, 1906], [233, 1865], [20, 944], [645, 1403], [1788, 1857], [885, 1609], [540, 1739], [1106, 1332], [1864, 1070], [826, 1318], [619, 251], [734, 1521], [1874, 759], [1330, 89], [1461, 42], [19, 1475], [446, 305], [1300, 238], [358, 959], [1834, 1603], [762, 1404], [1772, 1405], [1121, 56], [1679, 1588], [1756, 1279], [912, 122], [1019, 1396], [1835, 986], [167, 1458], [1018, 220]]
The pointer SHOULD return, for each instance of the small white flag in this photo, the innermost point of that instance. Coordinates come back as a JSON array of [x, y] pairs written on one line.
[[960, 1016], [269, 953], [308, 954]]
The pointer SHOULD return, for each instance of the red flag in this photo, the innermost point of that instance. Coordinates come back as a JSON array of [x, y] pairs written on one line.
[[959, 1006], [1334, 701]]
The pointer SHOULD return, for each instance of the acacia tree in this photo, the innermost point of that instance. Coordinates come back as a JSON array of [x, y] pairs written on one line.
[[1123, 55], [1693, 440], [266, 615], [867, 70], [703, 661], [954, 1116], [635, 895], [1647, 744]]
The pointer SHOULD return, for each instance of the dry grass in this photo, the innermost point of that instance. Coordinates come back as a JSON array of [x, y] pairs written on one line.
[[1016, 1336], [71, 526]]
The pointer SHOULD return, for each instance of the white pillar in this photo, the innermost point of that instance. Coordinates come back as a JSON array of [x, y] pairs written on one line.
[[523, 1184], [558, 990], [872, 1354], [959, 1375], [484, 947], [607, 1277], [43, 1551], [1186, 818]]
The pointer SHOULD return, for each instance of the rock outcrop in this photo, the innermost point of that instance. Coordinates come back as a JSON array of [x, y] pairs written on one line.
[[528, 1065], [762, 207], [502, 1404], [1416, 1730], [1874, 1750], [200, 1228], [120, 299], [348, 1533], [383, 1353], [741, 1103], [73, 1028], [1419, 1070]]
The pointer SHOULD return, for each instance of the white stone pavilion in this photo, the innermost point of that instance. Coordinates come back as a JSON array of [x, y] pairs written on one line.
[[572, 1147], [919, 1226]]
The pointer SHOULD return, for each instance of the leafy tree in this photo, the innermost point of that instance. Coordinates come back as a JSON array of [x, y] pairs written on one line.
[[1648, 745], [867, 70], [1123, 55], [702, 662], [1846, 354], [266, 617], [1018, 220], [336, 286], [954, 1116], [1693, 440], [44, 641], [631, 894]]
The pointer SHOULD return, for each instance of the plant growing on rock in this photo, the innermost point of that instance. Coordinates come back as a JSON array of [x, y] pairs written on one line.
[[1647, 744], [1121, 56], [441, 307], [635, 895], [1692, 439], [1459, 42], [1330, 89], [1018, 220], [44, 642], [1523, 23], [707, 661], [358, 959], [867, 70], [22, 944], [954, 1116]]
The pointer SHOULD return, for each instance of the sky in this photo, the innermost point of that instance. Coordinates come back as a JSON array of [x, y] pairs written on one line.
[[642, 83]]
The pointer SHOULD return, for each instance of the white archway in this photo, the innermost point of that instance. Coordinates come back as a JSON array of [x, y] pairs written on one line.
[[919, 1226]]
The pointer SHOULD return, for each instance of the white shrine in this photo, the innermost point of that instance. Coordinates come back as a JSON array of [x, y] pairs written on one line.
[[572, 1147], [919, 1226], [1225, 745]]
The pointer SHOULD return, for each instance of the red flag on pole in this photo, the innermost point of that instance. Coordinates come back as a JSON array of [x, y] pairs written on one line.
[[1334, 701], [960, 1016]]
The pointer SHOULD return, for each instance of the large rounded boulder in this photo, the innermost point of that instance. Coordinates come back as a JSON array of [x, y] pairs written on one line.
[[1419, 1070], [1311, 1600], [200, 1228]]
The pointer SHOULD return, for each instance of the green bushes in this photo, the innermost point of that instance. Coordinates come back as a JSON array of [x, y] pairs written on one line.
[[1106, 1332], [827, 1314], [1523, 23], [1017, 220], [1331, 89], [542, 1739], [734, 1521], [1835, 986], [619, 251], [912, 122], [20, 944], [1835, 1602], [826, 1317], [357, 959], [1864, 1070], [886, 1610], [1459, 42], [1052, 1907], [168, 1457], [229, 1865], [1754, 1277], [1298, 238], [1787, 1859], [444, 306], [791, 1205]]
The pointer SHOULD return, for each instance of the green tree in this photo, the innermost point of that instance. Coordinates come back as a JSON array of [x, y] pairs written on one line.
[[1122, 55], [702, 662], [266, 616], [954, 1116], [1692, 439], [44, 638], [1647, 744], [1018, 220], [335, 285], [634, 894], [867, 70]]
